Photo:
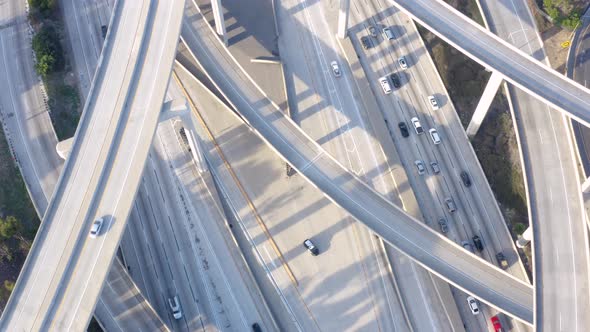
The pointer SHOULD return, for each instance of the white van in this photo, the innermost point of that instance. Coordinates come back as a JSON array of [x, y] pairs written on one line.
[[434, 135], [384, 82]]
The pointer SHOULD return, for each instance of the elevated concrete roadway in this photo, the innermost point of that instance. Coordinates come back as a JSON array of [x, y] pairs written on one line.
[[32, 140], [490, 51], [64, 271], [561, 246], [122, 307], [556, 215], [428, 248]]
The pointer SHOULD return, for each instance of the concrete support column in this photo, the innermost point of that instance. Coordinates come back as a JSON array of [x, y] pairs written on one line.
[[343, 19], [64, 147], [219, 21], [484, 104], [173, 108], [525, 238], [178, 108]]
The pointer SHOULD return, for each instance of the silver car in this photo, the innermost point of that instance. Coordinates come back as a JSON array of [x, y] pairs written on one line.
[[335, 68], [420, 166], [433, 103], [472, 302], [417, 126], [450, 204], [384, 82], [434, 136], [175, 307], [95, 229]]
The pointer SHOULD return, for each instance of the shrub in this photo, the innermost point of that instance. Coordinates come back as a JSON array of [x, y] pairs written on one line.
[[519, 228], [43, 6], [48, 50], [572, 21]]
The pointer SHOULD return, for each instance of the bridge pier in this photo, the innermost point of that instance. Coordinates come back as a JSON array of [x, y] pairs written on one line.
[[343, 19], [179, 108], [484, 104], [525, 238], [64, 147], [219, 20]]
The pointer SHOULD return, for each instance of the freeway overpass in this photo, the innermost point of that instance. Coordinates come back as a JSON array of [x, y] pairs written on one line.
[[490, 51], [428, 248], [561, 246], [63, 275]]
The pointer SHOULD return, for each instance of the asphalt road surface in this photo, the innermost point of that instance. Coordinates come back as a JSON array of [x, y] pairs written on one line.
[[362, 202]]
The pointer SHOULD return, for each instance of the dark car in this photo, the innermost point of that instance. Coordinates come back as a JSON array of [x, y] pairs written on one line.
[[465, 178], [444, 227], [477, 242], [256, 328], [104, 30], [311, 247], [395, 80], [366, 42], [403, 128]]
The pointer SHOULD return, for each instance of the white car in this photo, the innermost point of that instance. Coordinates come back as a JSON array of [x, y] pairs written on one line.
[[175, 307], [335, 68], [434, 135], [388, 33], [402, 62], [472, 302], [433, 103], [95, 229], [420, 166], [384, 82], [417, 126]]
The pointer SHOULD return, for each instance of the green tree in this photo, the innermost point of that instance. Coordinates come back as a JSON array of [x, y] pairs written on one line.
[[48, 51], [43, 5], [9, 285], [45, 65], [6, 252], [519, 228], [10, 227]]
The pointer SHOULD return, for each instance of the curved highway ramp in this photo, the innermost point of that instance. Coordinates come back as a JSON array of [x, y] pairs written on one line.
[[490, 51], [561, 267], [64, 273], [428, 248]]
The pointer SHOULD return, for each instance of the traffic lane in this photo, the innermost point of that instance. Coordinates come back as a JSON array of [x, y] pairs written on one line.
[[10, 117], [33, 114], [206, 225], [561, 241], [25, 115], [464, 159], [136, 128], [139, 252], [342, 117], [512, 21], [175, 249], [432, 245], [119, 286], [430, 188], [301, 206], [85, 52], [56, 233], [303, 151], [345, 75], [581, 73], [515, 66]]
